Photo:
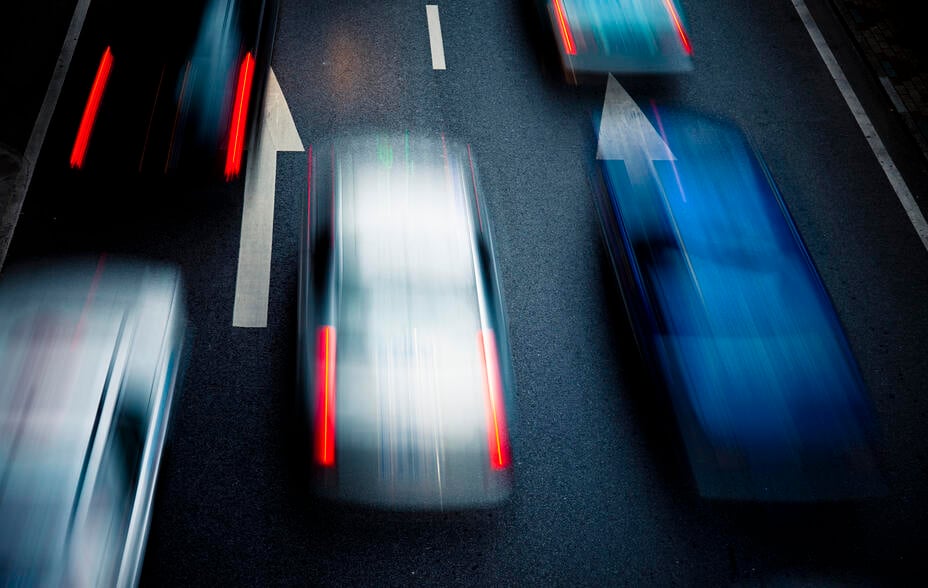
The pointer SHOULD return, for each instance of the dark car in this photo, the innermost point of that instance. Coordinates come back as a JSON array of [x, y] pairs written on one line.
[[89, 355], [162, 87], [404, 357], [733, 317], [619, 36]]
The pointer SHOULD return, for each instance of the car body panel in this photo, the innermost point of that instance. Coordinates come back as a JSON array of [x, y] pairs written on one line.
[[89, 359]]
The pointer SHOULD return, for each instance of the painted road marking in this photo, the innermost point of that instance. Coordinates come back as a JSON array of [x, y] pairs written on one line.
[[893, 95], [625, 132], [252, 284], [863, 121], [10, 216], [438, 49]]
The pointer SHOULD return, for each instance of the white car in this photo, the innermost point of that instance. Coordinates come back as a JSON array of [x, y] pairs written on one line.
[[89, 354], [404, 359]]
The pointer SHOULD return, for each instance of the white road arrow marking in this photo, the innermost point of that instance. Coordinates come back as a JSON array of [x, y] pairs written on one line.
[[252, 285], [625, 132]]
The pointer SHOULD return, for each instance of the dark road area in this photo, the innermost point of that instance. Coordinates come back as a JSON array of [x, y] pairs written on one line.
[[603, 494]]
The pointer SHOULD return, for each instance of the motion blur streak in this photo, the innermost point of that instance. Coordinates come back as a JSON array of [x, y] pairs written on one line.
[[496, 413], [564, 26], [95, 281], [151, 119], [325, 396], [239, 117], [473, 178], [309, 186], [673, 165], [90, 111], [180, 104], [679, 26]]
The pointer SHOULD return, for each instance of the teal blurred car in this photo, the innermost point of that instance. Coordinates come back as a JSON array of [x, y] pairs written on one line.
[[620, 36]]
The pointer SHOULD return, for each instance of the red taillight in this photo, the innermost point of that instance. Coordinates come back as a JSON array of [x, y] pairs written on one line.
[[325, 396], [564, 27], [497, 431], [239, 117], [90, 110], [678, 24]]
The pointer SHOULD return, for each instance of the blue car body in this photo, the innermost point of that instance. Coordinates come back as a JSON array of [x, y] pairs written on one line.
[[731, 313]]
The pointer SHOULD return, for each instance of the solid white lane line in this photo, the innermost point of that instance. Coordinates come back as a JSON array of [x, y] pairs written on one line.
[[40, 128], [438, 49], [863, 121], [253, 281], [893, 95]]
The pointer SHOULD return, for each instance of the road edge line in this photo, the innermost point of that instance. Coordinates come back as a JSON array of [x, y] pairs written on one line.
[[37, 138], [866, 126]]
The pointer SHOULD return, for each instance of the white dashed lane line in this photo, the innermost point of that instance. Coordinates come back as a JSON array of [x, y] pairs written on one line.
[[435, 42]]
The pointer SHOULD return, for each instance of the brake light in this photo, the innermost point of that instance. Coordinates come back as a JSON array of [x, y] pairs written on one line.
[[564, 27], [497, 431], [325, 396], [678, 24], [90, 110], [239, 117]]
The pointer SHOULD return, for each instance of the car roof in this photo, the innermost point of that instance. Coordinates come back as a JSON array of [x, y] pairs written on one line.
[[716, 203]]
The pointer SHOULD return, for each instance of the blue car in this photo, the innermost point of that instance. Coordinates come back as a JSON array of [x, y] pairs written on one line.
[[731, 314], [620, 36]]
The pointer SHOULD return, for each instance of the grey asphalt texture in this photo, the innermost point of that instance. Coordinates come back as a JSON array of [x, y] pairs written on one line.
[[602, 494]]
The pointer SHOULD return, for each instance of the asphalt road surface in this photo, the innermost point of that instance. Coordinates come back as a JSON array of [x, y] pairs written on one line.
[[602, 494]]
